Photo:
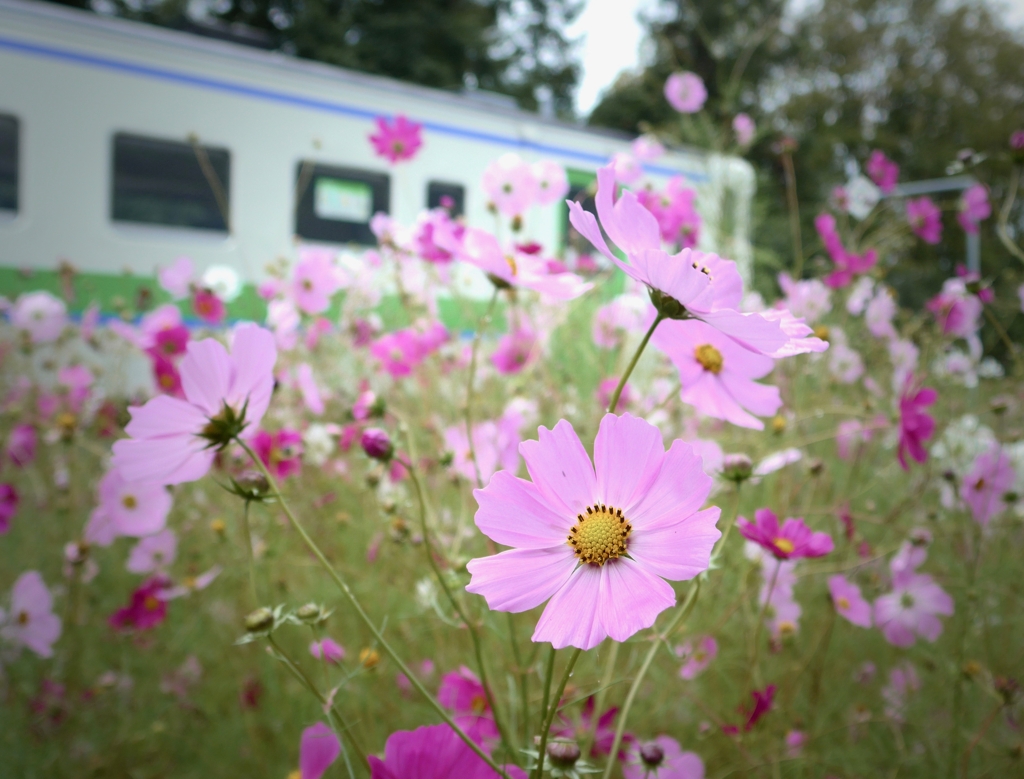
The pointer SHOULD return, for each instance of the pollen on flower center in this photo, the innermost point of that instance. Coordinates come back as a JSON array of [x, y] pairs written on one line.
[[478, 705], [511, 264], [784, 545], [709, 357], [151, 603], [129, 501], [600, 535], [843, 603], [22, 617]]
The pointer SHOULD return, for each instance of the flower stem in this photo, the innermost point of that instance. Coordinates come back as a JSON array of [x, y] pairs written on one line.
[[474, 352], [520, 673], [553, 708], [756, 649], [620, 726], [632, 364], [794, 215], [1005, 337], [361, 613], [249, 554], [1004, 215]]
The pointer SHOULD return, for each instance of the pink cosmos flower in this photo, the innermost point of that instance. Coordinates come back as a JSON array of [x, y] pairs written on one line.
[[437, 235], [132, 508], [514, 351], [398, 352], [912, 552], [879, 313], [762, 705], [925, 219], [607, 387], [628, 169], [603, 730], [397, 140], [974, 207], [8, 506], [432, 752], [685, 92], [146, 609], [745, 130], [991, 477], [850, 434], [916, 426], [327, 649], [308, 388], [616, 319], [883, 171], [806, 298], [153, 553], [173, 440], [794, 539], [645, 500], [177, 278], [21, 445], [166, 376], [848, 601], [1017, 140], [956, 310], [31, 622], [40, 314], [647, 148], [315, 281], [281, 452], [696, 659], [903, 680], [847, 265], [795, 740], [662, 758], [208, 307], [462, 693], [510, 185], [318, 749], [912, 609], [717, 374], [674, 209], [552, 183], [170, 341]]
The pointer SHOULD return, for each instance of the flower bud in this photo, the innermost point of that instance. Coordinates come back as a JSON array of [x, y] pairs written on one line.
[[254, 482], [377, 444], [563, 754], [258, 620], [737, 467], [309, 613], [652, 755], [778, 424], [369, 658]]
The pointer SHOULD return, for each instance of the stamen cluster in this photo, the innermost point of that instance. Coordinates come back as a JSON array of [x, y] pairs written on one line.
[[600, 535]]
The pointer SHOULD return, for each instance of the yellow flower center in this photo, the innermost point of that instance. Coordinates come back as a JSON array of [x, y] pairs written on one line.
[[478, 705], [369, 658], [786, 628], [784, 545], [709, 357], [22, 617], [151, 603], [166, 381], [843, 604], [307, 285], [129, 501], [511, 264], [822, 332], [599, 535]]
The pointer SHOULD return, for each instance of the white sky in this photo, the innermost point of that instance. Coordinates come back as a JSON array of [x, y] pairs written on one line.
[[611, 35]]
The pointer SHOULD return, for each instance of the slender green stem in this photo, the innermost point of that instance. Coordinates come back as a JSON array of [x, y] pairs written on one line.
[[361, 613], [1005, 337], [249, 553], [794, 215], [553, 709], [1004, 215], [719, 549], [632, 364], [474, 353], [520, 673], [756, 649], [606, 681], [549, 672], [972, 577], [620, 726]]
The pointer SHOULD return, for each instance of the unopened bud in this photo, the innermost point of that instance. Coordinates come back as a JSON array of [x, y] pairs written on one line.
[[258, 620], [254, 482], [737, 467], [377, 444], [816, 466], [563, 754], [309, 613], [778, 424], [652, 755], [369, 658]]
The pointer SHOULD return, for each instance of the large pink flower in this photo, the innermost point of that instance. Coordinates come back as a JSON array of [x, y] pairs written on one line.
[[662, 758], [31, 622], [685, 92], [597, 540], [397, 140], [173, 440], [794, 539], [925, 219], [133, 508], [916, 426], [912, 608], [717, 374], [984, 488], [315, 281], [432, 752]]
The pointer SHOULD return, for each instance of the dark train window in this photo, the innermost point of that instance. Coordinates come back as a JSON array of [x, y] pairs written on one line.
[[8, 163], [170, 183], [450, 196], [336, 204]]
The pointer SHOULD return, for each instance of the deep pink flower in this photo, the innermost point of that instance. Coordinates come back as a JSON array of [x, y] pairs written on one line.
[[281, 452], [514, 351], [674, 209], [437, 235], [397, 140], [462, 693], [327, 649], [745, 129], [315, 281], [848, 601], [912, 609], [132, 508], [173, 440], [318, 749], [685, 92], [883, 171], [793, 540], [925, 219], [847, 265], [177, 278], [146, 609], [21, 445], [974, 207], [8, 506], [717, 374], [956, 310], [166, 376], [170, 341], [510, 184], [572, 527], [153, 553], [552, 183], [696, 658], [662, 758], [39, 314], [377, 443], [762, 705], [603, 730], [31, 622], [432, 752], [984, 488], [208, 307], [916, 426]]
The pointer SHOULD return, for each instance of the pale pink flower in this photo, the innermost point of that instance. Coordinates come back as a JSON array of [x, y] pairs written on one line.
[[860, 295], [984, 489], [40, 314], [717, 374], [925, 219], [31, 622], [782, 612], [956, 310], [21, 445], [912, 552], [318, 749], [177, 278], [616, 319], [912, 609], [132, 508], [794, 539], [903, 680], [153, 553], [745, 129], [462, 693], [514, 351], [696, 658], [327, 649], [437, 236], [973, 208], [850, 435], [648, 498], [173, 440], [495, 445], [807, 298], [307, 385], [848, 601], [315, 281], [662, 758], [685, 92], [647, 148], [432, 752], [844, 362], [627, 168], [552, 183], [904, 355], [883, 171], [396, 140], [188, 585], [879, 314], [510, 185], [8, 506]]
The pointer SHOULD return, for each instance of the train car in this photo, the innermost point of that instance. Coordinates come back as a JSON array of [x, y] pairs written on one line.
[[124, 146]]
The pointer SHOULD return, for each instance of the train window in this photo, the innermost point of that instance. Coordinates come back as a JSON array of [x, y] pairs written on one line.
[[8, 163], [336, 204], [450, 196], [169, 183]]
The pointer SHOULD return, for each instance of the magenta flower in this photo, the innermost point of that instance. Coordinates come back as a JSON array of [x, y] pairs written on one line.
[[603, 730], [397, 140], [281, 452], [696, 658], [8, 506], [133, 508], [794, 539], [912, 609], [916, 426], [169, 341], [377, 443], [176, 279], [925, 219], [327, 649], [552, 182], [462, 693], [510, 184], [674, 209], [398, 352], [985, 487], [685, 92], [166, 376], [226, 395], [437, 235], [315, 281], [745, 130], [956, 310], [146, 609], [973, 208], [39, 314], [432, 752], [717, 374], [662, 758], [318, 749], [847, 265], [883, 171], [848, 601], [514, 351], [153, 553], [31, 622], [762, 705], [572, 528], [21, 445], [208, 307]]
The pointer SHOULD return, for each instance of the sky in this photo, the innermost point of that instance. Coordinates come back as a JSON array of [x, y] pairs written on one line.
[[611, 35]]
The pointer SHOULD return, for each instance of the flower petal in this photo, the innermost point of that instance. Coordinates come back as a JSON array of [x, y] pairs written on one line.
[[514, 512], [164, 416], [561, 469], [520, 579], [631, 598], [679, 490], [679, 550], [170, 460], [571, 616], [206, 375], [627, 457]]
